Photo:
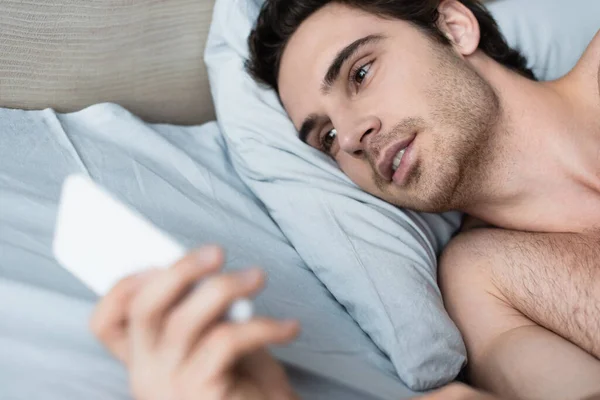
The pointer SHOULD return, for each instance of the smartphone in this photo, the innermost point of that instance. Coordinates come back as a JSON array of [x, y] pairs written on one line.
[[100, 240]]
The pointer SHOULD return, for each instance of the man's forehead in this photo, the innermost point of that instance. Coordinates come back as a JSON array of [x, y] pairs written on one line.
[[327, 30], [311, 49]]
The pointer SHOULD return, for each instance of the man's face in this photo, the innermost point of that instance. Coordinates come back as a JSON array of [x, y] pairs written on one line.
[[404, 116]]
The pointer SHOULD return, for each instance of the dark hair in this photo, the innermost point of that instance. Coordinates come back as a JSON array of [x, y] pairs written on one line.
[[279, 19]]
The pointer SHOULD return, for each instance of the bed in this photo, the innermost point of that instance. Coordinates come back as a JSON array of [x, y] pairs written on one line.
[[118, 90]]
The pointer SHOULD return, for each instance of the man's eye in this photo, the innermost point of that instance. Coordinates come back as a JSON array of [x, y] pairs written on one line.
[[359, 75], [328, 139]]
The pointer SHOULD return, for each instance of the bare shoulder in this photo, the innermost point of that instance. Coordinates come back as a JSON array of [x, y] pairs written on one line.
[[592, 56], [585, 77], [588, 67], [595, 50], [598, 36]]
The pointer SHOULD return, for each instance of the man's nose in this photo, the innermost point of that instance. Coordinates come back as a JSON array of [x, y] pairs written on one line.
[[353, 137]]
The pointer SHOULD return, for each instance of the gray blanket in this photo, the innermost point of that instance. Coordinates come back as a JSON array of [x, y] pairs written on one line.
[[181, 179]]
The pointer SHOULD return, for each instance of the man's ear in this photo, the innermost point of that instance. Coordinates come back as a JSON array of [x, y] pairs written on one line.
[[459, 25]]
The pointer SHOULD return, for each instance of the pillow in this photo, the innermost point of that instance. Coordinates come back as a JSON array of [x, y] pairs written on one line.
[[377, 260], [553, 34]]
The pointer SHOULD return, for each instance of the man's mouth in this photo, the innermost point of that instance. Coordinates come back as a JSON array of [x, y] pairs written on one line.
[[392, 158], [398, 160]]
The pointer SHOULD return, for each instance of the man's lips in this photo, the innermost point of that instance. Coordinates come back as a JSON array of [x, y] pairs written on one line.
[[386, 161]]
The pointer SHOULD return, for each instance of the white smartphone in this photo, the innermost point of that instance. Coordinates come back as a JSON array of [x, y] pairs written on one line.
[[100, 240]]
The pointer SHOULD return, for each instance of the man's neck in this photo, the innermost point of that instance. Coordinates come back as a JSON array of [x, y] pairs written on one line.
[[545, 171]]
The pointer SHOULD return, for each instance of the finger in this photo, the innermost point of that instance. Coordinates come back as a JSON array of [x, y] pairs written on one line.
[[167, 288], [205, 306], [109, 319], [228, 343]]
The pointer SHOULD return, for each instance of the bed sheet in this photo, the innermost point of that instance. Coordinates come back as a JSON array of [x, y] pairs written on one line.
[[182, 180]]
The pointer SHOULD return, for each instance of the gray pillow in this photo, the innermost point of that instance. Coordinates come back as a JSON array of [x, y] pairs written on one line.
[[378, 261]]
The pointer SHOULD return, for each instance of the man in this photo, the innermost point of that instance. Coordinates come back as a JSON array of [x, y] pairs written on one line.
[[424, 105]]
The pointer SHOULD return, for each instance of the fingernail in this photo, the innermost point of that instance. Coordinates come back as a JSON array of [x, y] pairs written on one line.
[[290, 327], [289, 324], [250, 276], [208, 254], [143, 275]]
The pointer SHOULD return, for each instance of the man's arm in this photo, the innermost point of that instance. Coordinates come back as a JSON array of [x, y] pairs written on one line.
[[513, 295]]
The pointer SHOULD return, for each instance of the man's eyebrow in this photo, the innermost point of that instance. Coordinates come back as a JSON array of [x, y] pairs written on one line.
[[342, 57], [307, 126]]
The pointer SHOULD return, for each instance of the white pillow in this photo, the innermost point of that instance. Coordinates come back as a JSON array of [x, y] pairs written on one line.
[[377, 260]]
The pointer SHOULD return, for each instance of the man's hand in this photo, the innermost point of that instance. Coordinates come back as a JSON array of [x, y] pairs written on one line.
[[176, 345]]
